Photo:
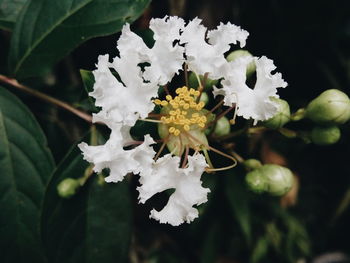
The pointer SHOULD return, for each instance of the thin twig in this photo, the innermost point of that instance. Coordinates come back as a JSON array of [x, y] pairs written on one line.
[[14, 83]]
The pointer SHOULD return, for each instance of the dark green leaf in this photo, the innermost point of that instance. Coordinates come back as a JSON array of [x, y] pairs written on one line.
[[47, 30], [260, 250], [9, 10], [88, 80], [238, 198], [25, 166], [274, 235], [92, 226], [211, 244]]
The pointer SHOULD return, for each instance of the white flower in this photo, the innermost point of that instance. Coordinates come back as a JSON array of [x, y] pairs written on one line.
[[187, 183], [252, 103], [125, 87]]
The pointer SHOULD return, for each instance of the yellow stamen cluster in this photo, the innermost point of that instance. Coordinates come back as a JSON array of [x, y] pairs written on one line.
[[184, 110]]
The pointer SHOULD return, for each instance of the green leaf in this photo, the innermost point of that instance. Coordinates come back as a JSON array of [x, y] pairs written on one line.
[[211, 244], [9, 10], [92, 226], [48, 30], [238, 197], [25, 166], [88, 80], [260, 250]]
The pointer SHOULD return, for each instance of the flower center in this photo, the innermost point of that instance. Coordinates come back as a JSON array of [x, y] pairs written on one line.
[[182, 113]]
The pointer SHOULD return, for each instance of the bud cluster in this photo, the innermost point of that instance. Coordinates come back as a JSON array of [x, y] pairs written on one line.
[[329, 109]]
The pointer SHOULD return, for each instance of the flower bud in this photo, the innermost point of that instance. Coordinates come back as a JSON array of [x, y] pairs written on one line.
[[325, 135], [281, 117], [256, 181], [68, 187], [280, 179], [252, 164], [193, 81], [242, 53], [222, 127], [271, 178], [331, 107]]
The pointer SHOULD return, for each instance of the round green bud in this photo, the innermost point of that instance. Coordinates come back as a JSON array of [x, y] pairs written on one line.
[[330, 107], [271, 178], [68, 187], [281, 117], [204, 97], [325, 135], [242, 53], [280, 179], [256, 181], [193, 82], [222, 127], [252, 164]]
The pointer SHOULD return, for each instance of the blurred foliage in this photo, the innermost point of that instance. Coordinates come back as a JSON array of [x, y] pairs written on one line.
[[45, 44]]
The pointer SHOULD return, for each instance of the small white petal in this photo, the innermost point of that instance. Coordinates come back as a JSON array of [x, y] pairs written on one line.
[[161, 178], [165, 57], [121, 103], [167, 29], [112, 155], [226, 34], [252, 103], [209, 57], [186, 182]]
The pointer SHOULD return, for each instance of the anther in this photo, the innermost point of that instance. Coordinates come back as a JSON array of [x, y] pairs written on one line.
[[157, 101]]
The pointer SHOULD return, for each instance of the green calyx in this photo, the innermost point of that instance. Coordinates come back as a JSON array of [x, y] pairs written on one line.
[[273, 179], [330, 107], [325, 135], [68, 187], [242, 53], [281, 117]]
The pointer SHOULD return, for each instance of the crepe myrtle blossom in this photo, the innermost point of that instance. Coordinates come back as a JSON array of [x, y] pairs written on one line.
[[137, 86]]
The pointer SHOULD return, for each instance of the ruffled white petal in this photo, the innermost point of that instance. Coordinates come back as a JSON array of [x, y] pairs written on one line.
[[204, 57], [112, 155], [166, 57], [226, 34], [119, 103], [187, 183], [252, 103]]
